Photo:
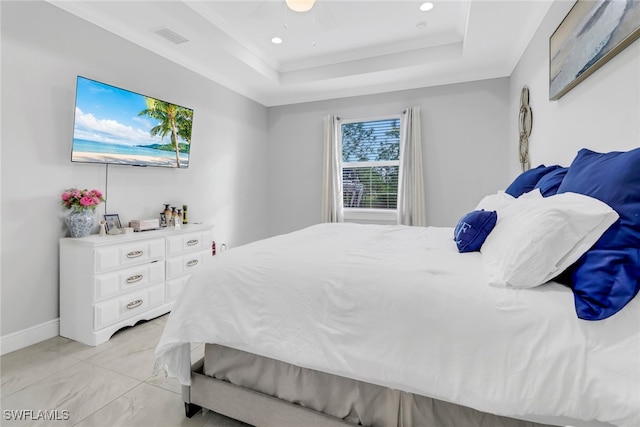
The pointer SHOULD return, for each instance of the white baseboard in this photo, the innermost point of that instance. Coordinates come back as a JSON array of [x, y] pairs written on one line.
[[26, 337]]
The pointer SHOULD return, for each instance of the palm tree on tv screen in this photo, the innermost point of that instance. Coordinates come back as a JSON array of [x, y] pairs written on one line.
[[174, 121]]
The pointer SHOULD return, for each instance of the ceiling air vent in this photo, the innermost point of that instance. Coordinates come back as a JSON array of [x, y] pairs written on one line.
[[170, 35]]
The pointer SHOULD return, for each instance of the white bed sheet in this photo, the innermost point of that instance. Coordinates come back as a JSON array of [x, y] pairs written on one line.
[[400, 307]]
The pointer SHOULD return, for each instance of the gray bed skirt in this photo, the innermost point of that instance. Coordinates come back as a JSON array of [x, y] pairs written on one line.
[[265, 392]]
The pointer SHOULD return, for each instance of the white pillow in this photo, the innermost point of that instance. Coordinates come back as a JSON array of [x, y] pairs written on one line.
[[494, 202], [536, 238]]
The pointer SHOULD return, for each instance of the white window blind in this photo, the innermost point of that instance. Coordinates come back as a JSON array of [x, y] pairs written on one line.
[[370, 163]]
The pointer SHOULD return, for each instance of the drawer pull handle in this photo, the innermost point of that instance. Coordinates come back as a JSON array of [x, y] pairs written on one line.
[[134, 254], [192, 263], [192, 242], [134, 279], [134, 304]]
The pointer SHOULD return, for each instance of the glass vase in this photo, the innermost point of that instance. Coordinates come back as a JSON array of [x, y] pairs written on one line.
[[80, 222]]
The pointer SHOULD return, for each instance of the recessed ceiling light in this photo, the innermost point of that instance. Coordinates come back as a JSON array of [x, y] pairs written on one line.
[[427, 6], [276, 40], [421, 25]]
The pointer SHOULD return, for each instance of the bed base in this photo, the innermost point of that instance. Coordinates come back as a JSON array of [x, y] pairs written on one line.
[[249, 406], [261, 410]]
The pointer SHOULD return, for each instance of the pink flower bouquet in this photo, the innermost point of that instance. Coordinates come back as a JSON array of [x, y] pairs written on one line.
[[81, 199]]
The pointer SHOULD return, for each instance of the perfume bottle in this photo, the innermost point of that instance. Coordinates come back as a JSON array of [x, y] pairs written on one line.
[[174, 216], [185, 219], [167, 215]]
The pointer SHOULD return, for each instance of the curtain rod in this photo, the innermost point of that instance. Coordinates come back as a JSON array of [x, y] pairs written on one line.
[[402, 112]]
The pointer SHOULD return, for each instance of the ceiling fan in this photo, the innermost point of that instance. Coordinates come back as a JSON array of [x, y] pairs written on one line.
[[300, 5], [319, 10]]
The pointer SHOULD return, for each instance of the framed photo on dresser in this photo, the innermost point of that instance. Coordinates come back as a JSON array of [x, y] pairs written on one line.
[[112, 223]]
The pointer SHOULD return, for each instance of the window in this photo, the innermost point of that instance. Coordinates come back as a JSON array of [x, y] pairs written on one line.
[[370, 167]]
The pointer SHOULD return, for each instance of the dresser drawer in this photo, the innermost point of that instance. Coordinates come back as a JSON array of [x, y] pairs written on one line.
[[112, 257], [176, 286], [107, 285], [127, 305], [188, 242], [177, 266]]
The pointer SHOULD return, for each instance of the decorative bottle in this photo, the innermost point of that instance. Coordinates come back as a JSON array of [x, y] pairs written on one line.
[[178, 222], [174, 216], [185, 219], [167, 215]]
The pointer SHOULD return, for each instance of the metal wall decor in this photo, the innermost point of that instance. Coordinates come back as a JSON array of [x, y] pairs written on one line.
[[525, 121], [591, 34]]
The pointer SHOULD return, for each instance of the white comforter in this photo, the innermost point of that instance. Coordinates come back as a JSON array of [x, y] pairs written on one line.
[[400, 307]]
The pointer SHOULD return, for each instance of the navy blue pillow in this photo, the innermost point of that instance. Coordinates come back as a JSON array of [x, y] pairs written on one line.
[[473, 229], [527, 180], [550, 182], [607, 276]]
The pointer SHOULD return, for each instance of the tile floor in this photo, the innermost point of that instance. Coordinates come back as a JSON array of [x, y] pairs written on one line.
[[110, 385]]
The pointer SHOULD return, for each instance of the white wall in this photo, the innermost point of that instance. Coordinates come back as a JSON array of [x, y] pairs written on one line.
[[602, 113], [43, 50], [465, 148]]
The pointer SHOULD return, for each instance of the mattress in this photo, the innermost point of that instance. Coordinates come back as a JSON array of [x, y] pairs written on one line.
[[399, 307]]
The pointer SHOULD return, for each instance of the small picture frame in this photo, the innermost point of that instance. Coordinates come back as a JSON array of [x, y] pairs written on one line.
[[112, 223]]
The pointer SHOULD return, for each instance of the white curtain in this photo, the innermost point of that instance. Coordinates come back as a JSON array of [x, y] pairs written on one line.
[[332, 206], [411, 204]]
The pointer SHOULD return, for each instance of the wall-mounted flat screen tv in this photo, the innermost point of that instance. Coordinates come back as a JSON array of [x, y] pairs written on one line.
[[117, 126]]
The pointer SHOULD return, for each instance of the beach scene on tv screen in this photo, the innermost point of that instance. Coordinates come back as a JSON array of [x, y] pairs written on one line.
[[114, 125]]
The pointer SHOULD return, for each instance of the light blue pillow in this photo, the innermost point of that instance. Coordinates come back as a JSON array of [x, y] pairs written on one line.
[[607, 277], [473, 229]]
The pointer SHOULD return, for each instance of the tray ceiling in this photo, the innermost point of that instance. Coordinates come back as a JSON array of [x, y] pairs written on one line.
[[339, 48]]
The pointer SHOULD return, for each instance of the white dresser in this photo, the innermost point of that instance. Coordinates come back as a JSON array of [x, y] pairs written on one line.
[[109, 282]]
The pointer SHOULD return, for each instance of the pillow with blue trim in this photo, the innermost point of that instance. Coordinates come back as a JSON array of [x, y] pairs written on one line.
[[473, 229], [527, 180], [607, 277], [551, 181]]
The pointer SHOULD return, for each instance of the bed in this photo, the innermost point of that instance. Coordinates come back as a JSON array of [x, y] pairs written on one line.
[[353, 324]]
